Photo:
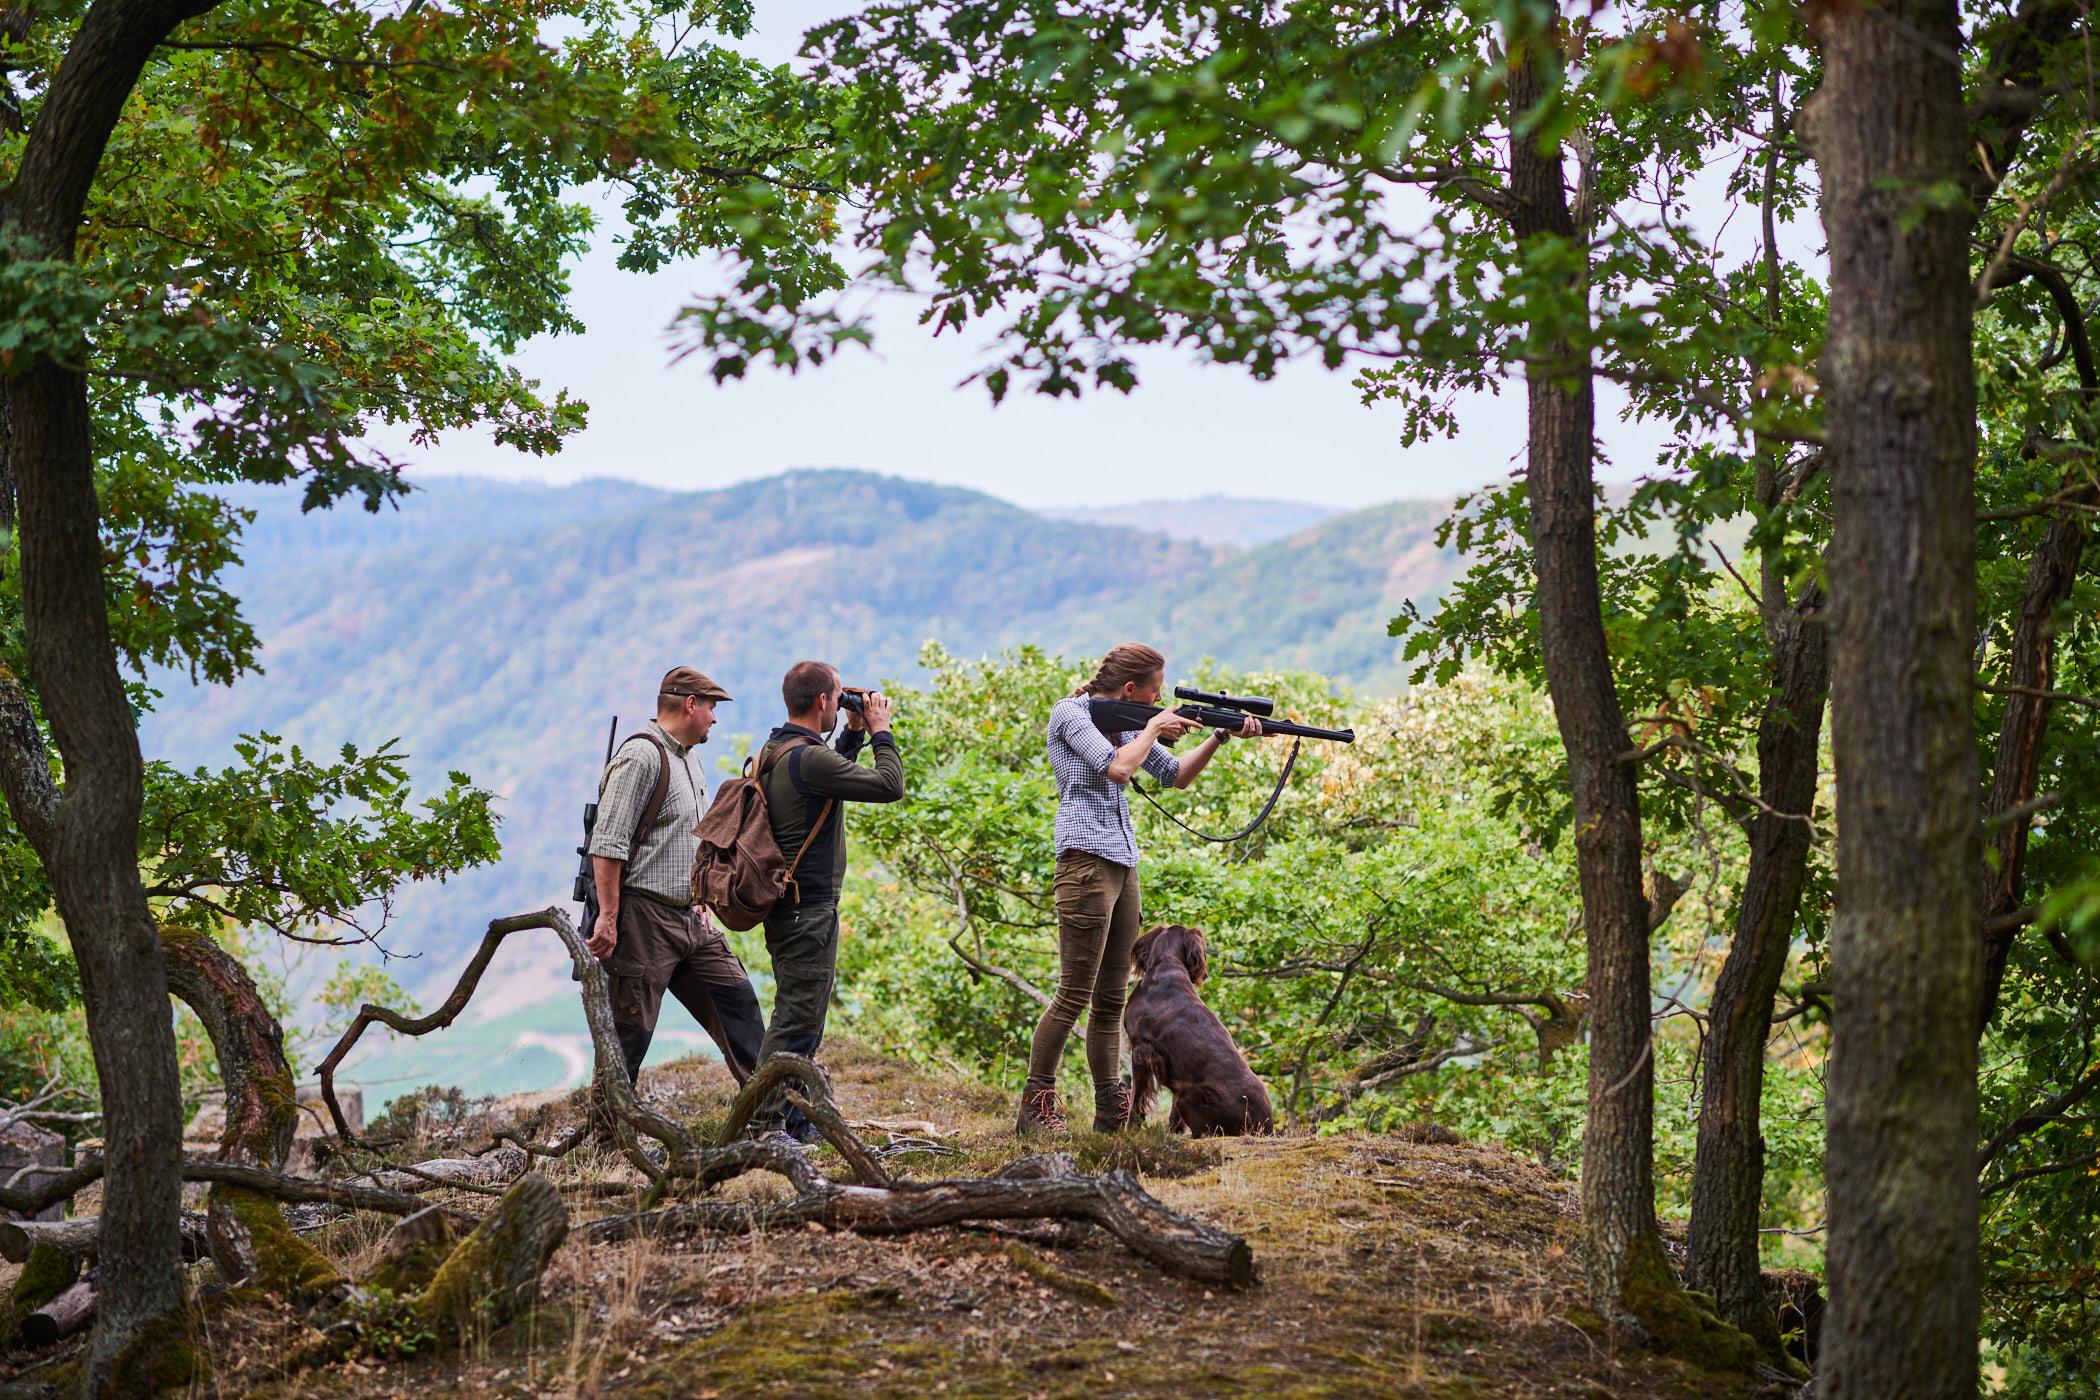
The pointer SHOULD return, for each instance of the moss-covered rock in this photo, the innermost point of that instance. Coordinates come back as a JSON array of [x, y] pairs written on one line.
[[414, 1252]]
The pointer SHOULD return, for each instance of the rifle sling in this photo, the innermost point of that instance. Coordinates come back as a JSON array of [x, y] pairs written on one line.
[[1248, 830]]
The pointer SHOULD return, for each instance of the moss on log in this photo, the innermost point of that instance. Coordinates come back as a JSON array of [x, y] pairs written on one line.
[[496, 1270]]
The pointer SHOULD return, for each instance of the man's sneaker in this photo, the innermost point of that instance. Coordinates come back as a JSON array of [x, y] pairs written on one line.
[[1112, 1108], [1040, 1113]]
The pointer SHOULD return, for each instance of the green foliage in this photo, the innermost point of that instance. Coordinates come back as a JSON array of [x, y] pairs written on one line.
[[291, 844], [386, 1325]]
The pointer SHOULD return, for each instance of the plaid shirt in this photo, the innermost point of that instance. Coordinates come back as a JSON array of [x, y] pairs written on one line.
[[659, 860], [1093, 810]]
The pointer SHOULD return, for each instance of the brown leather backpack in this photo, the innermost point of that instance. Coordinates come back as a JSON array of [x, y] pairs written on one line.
[[739, 872]]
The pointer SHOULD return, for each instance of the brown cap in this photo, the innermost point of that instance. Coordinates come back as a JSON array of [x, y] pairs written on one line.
[[684, 680]]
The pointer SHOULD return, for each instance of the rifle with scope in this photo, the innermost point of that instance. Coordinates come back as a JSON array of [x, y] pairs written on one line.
[[1208, 709], [585, 890]]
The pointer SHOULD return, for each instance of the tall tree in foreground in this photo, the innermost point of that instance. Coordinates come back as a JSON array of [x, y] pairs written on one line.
[[1887, 128], [237, 236]]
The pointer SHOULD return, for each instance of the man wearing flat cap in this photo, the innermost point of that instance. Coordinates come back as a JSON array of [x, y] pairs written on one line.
[[649, 936]]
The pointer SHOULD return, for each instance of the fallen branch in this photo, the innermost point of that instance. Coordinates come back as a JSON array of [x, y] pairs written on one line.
[[1034, 1188], [488, 1174]]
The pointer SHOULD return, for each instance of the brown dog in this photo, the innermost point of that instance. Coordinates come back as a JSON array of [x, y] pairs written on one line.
[[1177, 1041]]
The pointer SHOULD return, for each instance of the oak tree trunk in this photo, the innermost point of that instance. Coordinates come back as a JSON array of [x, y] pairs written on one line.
[[89, 850], [1622, 1248], [1729, 1164], [1887, 131], [87, 839], [2016, 770], [250, 1239]]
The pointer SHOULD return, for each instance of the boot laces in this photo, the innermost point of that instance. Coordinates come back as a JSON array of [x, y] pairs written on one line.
[[1042, 1105]]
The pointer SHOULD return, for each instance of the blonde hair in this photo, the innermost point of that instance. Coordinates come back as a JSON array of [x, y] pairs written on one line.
[[1129, 661]]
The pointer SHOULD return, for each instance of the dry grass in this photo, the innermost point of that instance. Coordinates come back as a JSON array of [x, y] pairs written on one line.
[[1408, 1266]]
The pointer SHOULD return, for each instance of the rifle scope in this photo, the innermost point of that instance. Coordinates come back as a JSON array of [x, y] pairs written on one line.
[[1260, 706]]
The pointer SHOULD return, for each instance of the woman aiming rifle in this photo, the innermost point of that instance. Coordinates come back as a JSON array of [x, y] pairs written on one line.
[[1098, 896]]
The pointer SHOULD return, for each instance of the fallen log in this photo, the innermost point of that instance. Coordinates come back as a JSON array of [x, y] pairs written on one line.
[[486, 1173], [78, 1239], [62, 1316], [1035, 1188]]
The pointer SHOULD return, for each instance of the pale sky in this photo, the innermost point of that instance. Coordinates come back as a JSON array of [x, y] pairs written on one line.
[[1188, 430]]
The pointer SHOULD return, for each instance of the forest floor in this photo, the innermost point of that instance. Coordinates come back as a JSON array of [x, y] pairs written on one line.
[[1407, 1265]]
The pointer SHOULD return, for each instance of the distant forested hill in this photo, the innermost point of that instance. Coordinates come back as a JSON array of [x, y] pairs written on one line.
[[494, 627], [1239, 521]]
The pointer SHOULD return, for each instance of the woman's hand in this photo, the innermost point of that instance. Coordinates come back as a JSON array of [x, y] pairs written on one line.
[[1166, 726]]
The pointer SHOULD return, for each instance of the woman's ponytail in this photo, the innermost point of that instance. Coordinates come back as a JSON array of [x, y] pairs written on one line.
[[1130, 661]]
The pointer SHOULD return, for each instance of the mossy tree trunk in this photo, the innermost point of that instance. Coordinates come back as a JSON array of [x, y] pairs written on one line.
[[250, 1239], [495, 1271]]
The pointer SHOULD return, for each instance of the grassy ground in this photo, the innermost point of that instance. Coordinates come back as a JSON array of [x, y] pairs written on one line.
[[1399, 1265]]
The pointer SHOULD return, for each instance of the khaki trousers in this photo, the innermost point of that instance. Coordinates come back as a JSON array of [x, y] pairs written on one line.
[[1098, 911]]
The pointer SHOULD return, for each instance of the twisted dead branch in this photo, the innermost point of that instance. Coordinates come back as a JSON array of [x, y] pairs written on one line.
[[1043, 1187], [629, 1118]]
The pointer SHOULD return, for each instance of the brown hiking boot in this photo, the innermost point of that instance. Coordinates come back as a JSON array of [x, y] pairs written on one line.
[[1040, 1113], [1112, 1107]]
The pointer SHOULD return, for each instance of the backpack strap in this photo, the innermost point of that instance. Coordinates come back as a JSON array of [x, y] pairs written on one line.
[[655, 805], [809, 836]]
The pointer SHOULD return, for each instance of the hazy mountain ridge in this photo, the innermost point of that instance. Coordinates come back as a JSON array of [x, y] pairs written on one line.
[[1238, 522], [497, 640]]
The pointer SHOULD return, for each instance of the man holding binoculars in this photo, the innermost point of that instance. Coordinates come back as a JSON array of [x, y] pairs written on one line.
[[805, 782]]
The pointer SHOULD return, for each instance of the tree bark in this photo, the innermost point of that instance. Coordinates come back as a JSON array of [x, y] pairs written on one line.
[[1622, 1248], [250, 1239], [1728, 1167], [88, 840], [1887, 131]]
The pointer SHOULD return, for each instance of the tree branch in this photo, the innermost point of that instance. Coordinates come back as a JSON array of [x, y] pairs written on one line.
[[2038, 1117]]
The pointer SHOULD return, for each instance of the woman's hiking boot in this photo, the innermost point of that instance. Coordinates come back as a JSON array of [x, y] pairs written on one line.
[[1112, 1104], [1039, 1110]]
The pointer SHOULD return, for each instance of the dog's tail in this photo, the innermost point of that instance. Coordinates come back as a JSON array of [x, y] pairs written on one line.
[[1145, 1074]]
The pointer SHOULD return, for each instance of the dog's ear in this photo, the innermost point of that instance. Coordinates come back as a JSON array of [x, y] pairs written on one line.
[[1194, 956], [1141, 951]]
